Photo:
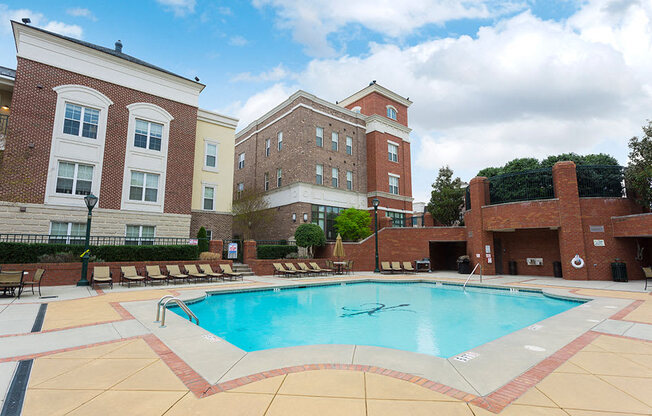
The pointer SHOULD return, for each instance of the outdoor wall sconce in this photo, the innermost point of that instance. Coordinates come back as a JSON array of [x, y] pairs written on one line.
[[294, 217], [305, 217]]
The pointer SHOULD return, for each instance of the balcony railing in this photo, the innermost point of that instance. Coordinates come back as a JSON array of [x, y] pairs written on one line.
[[528, 185], [95, 240], [601, 181]]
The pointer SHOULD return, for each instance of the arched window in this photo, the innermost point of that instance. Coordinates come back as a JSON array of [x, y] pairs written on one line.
[[356, 109], [391, 112]]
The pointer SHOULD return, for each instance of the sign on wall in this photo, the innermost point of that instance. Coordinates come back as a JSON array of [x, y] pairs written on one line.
[[598, 243], [192, 241], [233, 251]]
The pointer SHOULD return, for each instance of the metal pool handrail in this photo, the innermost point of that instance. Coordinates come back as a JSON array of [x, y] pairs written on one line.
[[473, 271], [163, 303]]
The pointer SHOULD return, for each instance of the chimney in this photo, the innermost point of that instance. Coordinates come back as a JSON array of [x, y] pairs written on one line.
[[118, 46]]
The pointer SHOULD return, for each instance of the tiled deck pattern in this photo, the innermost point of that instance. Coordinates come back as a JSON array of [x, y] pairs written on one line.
[[601, 375]]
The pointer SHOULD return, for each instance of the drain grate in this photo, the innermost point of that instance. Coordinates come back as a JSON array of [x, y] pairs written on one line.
[[466, 357]]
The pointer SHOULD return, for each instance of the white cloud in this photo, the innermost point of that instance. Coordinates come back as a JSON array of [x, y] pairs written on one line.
[[81, 12], [258, 104], [38, 20], [238, 41], [179, 7], [277, 73], [226, 11]]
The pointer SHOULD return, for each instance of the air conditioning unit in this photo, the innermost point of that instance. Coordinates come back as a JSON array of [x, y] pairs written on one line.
[[535, 261]]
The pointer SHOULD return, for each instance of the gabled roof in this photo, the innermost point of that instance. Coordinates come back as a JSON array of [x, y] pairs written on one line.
[[373, 87]]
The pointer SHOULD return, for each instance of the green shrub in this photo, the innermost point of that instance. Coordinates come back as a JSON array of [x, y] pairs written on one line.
[[202, 240], [274, 251], [309, 236], [66, 257]]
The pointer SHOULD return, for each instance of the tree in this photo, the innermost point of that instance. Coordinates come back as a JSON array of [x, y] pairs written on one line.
[[639, 169], [447, 198], [353, 224], [251, 213], [309, 235], [202, 240]]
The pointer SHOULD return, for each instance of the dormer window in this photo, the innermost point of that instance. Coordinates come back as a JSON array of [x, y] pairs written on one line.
[[391, 112]]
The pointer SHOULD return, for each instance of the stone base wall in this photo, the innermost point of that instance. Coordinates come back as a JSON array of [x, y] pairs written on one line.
[[37, 217], [220, 223]]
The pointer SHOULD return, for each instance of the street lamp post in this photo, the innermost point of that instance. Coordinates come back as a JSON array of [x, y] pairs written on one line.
[[91, 201], [375, 203]]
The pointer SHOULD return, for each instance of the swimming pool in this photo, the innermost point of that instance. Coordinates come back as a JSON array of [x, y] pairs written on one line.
[[440, 320]]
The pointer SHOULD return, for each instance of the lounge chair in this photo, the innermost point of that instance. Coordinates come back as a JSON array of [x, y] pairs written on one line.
[[290, 266], [130, 275], [208, 270], [10, 281], [191, 269], [318, 269], [407, 266], [396, 267], [102, 274], [306, 269], [385, 267], [648, 275], [36, 280], [278, 269], [174, 273], [154, 274], [229, 273]]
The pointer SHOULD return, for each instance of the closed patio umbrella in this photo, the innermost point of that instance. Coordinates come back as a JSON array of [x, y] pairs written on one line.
[[338, 250]]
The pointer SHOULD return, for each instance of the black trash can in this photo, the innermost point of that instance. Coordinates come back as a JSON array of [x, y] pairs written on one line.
[[556, 268], [464, 267], [512, 268], [619, 272]]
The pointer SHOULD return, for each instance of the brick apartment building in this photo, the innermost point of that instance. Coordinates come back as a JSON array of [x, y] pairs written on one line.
[[86, 118], [312, 159]]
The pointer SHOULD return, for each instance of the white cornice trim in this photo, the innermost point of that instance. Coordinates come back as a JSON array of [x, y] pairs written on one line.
[[216, 118], [315, 194], [390, 196], [390, 209], [375, 88], [385, 125]]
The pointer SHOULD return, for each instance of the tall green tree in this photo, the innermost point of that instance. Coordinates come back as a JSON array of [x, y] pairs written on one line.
[[639, 169], [309, 236], [446, 198], [353, 224]]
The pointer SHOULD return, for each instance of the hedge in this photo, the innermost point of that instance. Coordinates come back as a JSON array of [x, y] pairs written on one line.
[[274, 251], [29, 253]]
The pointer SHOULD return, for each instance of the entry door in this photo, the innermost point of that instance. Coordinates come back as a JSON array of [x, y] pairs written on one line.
[[498, 256]]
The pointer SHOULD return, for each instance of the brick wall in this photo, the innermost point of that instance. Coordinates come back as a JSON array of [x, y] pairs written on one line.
[[281, 226], [220, 224], [639, 225], [519, 245], [26, 157], [376, 103], [529, 214]]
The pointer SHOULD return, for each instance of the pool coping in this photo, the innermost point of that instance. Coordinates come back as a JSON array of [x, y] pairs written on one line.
[[496, 364]]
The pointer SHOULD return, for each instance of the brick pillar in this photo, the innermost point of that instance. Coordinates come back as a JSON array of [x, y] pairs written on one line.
[[216, 246], [571, 236], [249, 251], [477, 238], [428, 221]]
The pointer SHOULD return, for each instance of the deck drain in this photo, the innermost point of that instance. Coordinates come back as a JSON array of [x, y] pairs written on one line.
[[466, 357], [535, 327], [593, 320], [611, 307], [534, 348], [210, 338]]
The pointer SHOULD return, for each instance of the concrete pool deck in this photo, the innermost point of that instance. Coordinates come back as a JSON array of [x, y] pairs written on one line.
[[603, 346]]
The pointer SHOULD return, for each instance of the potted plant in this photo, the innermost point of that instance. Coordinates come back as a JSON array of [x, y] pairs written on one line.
[[464, 264]]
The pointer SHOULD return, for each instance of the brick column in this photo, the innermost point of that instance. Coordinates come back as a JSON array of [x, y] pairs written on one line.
[[249, 251], [428, 221], [477, 238], [216, 246], [571, 236]]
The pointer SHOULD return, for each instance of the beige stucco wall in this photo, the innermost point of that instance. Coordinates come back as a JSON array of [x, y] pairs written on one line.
[[222, 176]]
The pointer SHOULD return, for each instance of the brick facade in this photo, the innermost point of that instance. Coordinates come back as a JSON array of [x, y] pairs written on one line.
[[220, 224]]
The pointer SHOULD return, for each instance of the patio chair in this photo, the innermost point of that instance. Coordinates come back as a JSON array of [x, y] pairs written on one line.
[[330, 265], [648, 275], [407, 266], [229, 273], [396, 266], [385, 267], [208, 270], [349, 267], [278, 269], [306, 269], [318, 269], [36, 280], [154, 274], [130, 275], [10, 281], [102, 274], [191, 270], [290, 266], [174, 273]]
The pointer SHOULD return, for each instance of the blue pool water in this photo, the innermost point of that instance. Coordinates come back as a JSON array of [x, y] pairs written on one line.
[[440, 320]]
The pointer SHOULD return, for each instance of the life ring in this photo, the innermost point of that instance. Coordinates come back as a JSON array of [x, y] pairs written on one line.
[[577, 262]]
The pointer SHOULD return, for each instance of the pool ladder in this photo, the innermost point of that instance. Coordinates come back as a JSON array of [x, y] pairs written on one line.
[[471, 275], [163, 303]]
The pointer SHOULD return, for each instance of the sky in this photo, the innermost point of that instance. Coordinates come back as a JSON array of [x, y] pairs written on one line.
[[491, 80]]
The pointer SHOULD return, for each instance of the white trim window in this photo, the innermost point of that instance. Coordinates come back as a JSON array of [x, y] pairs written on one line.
[[266, 179], [349, 145], [209, 234], [140, 235], [319, 136], [392, 152], [208, 200], [86, 117], [148, 135], [319, 174], [241, 161], [268, 146], [279, 137], [393, 184], [143, 187], [240, 189], [67, 233], [74, 178], [349, 180], [335, 180], [279, 177], [391, 112], [335, 141], [210, 155]]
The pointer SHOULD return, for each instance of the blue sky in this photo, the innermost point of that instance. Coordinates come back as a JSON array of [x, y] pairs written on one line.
[[491, 80]]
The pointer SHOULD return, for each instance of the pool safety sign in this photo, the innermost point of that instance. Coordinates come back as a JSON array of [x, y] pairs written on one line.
[[233, 251]]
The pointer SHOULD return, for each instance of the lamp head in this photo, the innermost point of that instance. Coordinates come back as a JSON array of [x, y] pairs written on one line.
[[375, 202], [91, 201]]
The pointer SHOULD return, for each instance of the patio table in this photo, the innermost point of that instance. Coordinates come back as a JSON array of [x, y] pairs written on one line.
[[340, 266]]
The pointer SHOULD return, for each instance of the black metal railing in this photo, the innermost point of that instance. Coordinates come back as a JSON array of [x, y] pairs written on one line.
[[275, 243], [467, 198], [4, 123], [601, 181], [528, 185], [95, 240]]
